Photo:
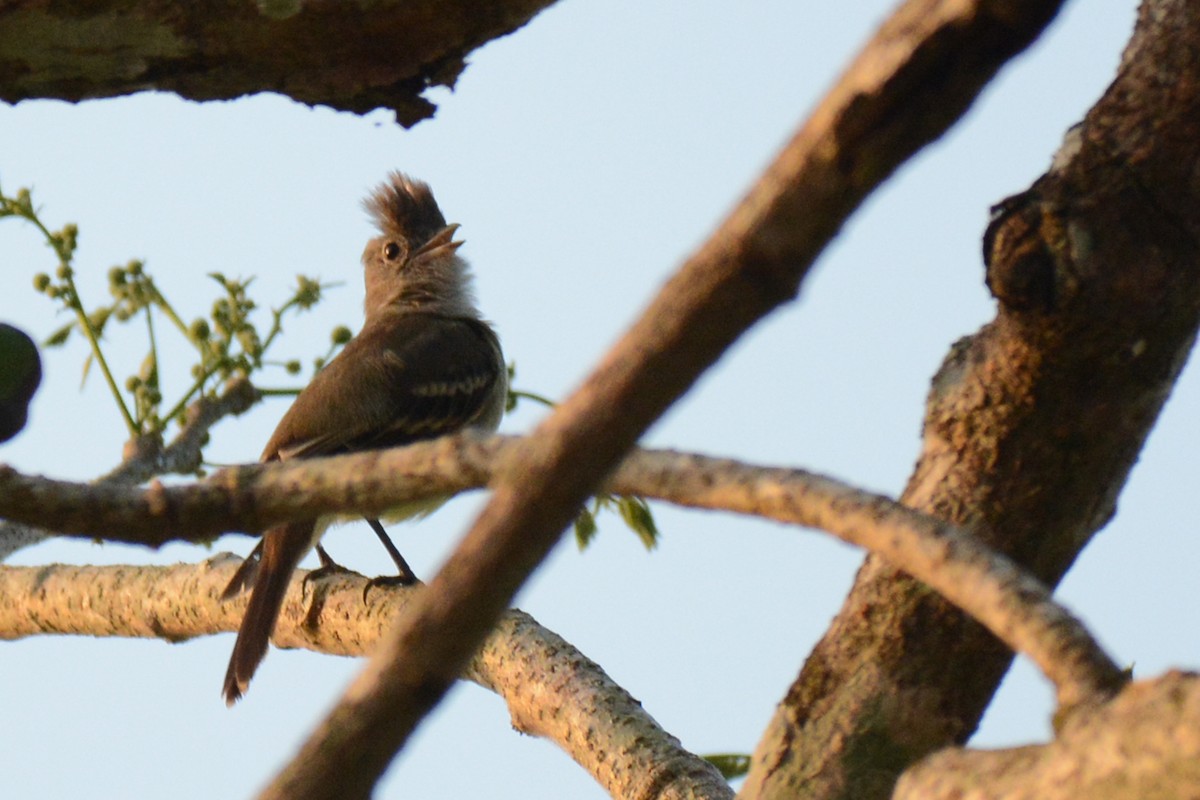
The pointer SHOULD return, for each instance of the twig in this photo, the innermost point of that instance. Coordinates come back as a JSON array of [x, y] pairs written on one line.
[[145, 459]]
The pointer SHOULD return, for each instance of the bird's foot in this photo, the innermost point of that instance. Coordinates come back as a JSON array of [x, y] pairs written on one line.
[[328, 568], [390, 580]]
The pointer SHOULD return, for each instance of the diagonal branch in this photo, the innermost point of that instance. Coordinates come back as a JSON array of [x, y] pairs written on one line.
[[993, 589], [909, 85], [551, 689], [1032, 424]]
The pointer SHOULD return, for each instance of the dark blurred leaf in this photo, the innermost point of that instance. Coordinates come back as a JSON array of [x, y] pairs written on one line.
[[20, 374]]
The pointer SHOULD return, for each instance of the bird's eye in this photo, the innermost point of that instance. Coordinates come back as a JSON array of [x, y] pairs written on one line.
[[392, 251]]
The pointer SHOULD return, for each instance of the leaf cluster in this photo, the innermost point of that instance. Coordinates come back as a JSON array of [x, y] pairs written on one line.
[[229, 342]]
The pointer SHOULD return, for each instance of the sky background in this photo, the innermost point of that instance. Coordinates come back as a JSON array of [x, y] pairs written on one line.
[[586, 156]]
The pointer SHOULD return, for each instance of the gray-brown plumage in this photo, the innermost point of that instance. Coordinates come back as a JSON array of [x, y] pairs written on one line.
[[424, 365]]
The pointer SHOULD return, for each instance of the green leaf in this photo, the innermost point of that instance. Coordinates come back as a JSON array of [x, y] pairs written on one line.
[[637, 516], [99, 318], [585, 528], [59, 336], [731, 765]]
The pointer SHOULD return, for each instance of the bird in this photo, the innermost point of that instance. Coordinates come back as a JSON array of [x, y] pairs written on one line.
[[424, 364]]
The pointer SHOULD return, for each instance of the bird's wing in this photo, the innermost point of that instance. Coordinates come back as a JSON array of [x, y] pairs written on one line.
[[404, 378]]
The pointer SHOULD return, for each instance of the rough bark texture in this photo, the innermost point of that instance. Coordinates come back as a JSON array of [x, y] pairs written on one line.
[[990, 587], [352, 57], [1145, 744], [551, 689], [1032, 424]]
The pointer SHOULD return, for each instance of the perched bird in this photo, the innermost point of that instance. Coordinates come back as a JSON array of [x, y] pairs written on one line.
[[424, 365]]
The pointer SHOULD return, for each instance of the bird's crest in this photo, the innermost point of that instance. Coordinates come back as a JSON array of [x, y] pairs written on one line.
[[404, 206]]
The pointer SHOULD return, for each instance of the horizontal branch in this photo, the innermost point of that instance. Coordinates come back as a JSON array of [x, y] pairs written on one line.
[[624, 744], [358, 58], [1016, 607], [145, 457]]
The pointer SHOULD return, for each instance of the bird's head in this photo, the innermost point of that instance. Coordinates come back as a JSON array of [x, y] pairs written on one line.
[[413, 263]]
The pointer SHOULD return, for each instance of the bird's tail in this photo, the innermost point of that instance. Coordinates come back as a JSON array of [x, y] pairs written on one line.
[[282, 550]]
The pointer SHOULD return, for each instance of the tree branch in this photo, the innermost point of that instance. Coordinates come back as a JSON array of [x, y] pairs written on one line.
[[906, 89], [381, 55], [144, 458], [990, 587], [1010, 602], [755, 262], [1146, 743], [551, 689], [1032, 424]]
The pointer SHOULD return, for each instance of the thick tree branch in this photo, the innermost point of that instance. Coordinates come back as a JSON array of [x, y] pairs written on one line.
[[1012, 604], [1144, 744], [1032, 424], [374, 55], [551, 689], [1145, 740]]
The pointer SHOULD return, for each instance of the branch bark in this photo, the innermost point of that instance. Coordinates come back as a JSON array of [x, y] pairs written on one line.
[[551, 689], [376, 55], [1146, 743], [1009, 601], [144, 458], [1032, 424]]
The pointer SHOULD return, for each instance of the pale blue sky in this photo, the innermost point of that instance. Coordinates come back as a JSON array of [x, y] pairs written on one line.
[[585, 157]]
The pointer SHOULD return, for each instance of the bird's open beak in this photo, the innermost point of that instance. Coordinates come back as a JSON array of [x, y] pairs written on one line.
[[441, 243]]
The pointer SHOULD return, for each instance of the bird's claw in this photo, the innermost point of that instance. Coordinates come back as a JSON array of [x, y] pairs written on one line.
[[389, 580]]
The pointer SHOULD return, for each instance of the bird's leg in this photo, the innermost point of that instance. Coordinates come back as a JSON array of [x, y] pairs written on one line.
[[406, 576], [328, 567], [327, 561]]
